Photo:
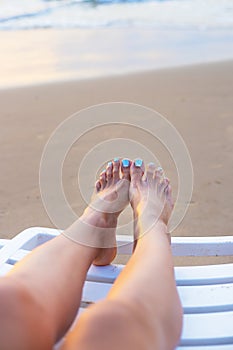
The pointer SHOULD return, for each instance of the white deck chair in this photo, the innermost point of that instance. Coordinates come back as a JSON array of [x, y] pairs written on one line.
[[206, 292]]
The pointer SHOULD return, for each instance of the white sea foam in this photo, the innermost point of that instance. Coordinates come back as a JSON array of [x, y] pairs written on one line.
[[163, 14]]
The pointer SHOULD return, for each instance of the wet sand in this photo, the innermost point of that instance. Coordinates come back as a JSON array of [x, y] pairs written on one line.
[[196, 99]]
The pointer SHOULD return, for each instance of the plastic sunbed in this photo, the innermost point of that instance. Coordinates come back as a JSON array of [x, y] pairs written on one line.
[[206, 292]]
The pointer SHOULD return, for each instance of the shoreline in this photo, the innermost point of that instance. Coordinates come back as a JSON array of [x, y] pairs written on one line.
[[110, 76], [43, 56]]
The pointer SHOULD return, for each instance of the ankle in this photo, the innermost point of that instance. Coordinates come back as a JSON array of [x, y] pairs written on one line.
[[151, 230], [93, 231], [148, 221], [98, 218]]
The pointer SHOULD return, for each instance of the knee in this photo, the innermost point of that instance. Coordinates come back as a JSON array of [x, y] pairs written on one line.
[[108, 315], [20, 319], [172, 324], [111, 324], [12, 298]]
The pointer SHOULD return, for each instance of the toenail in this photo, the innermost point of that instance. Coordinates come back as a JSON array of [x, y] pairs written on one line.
[[109, 164], [138, 163], [159, 169], [116, 159], [125, 163], [151, 164]]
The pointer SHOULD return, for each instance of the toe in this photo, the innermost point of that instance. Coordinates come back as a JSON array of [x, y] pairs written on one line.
[[116, 170], [163, 185], [158, 175], [150, 172], [109, 173], [125, 168], [168, 193], [136, 171], [97, 185], [102, 179]]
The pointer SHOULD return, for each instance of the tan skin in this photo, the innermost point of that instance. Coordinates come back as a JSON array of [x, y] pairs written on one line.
[[40, 298]]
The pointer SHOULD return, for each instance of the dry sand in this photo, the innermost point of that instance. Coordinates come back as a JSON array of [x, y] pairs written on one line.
[[197, 100]]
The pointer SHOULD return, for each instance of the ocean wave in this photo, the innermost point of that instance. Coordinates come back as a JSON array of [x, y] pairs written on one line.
[[162, 14]]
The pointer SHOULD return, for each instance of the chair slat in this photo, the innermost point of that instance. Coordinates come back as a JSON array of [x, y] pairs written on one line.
[[191, 275], [106, 274], [188, 246], [5, 268], [206, 298], [185, 275], [195, 299], [207, 329], [181, 246], [3, 242], [35, 234], [19, 255], [202, 275], [207, 347], [202, 246], [95, 291]]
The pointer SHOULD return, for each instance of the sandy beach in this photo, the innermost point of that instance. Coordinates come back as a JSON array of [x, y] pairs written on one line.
[[195, 98]]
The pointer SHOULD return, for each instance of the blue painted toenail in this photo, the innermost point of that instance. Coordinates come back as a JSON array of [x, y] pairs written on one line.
[[116, 159], [138, 163], [125, 163], [109, 163], [151, 164]]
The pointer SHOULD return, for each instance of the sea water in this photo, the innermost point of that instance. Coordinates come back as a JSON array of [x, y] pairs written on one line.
[[160, 14]]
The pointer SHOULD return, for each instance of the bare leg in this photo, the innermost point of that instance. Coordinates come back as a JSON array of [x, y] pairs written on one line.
[[142, 310], [40, 297]]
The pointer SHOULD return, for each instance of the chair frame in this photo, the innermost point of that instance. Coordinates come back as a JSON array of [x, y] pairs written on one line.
[[206, 292]]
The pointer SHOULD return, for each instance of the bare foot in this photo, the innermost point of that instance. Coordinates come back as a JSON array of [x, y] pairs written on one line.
[[97, 226], [150, 197]]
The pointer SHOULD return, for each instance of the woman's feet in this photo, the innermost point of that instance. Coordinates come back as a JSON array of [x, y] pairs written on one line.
[[122, 181], [150, 197]]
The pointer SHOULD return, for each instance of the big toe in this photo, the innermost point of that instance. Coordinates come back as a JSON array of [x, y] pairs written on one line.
[[136, 171]]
